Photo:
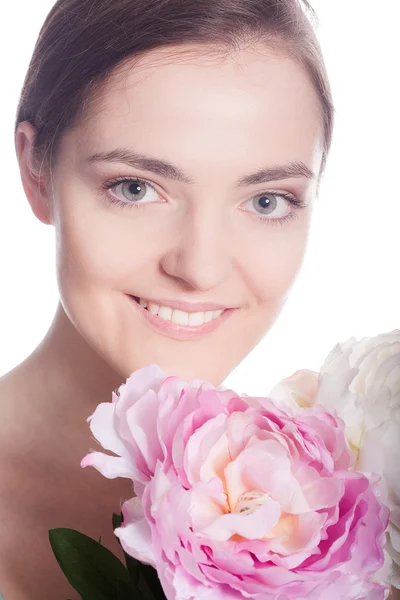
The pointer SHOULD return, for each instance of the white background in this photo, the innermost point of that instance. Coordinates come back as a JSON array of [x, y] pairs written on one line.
[[349, 284]]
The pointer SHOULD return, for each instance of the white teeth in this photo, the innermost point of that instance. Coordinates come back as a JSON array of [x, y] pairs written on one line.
[[165, 313], [179, 316], [197, 318], [153, 308]]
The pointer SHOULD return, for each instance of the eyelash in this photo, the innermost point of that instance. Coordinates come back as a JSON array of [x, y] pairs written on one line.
[[298, 204]]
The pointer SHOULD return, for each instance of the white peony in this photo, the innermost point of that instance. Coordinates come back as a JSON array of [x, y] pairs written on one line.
[[361, 381]]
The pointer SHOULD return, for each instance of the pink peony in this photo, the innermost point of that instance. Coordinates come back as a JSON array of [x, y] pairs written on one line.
[[237, 498]]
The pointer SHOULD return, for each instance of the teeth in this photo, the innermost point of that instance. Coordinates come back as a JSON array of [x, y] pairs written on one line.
[[153, 308], [198, 318], [164, 313], [179, 316]]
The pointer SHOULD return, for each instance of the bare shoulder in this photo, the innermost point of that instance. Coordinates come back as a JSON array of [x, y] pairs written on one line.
[[9, 384], [13, 391], [17, 418], [39, 491], [9, 393], [27, 565], [12, 402]]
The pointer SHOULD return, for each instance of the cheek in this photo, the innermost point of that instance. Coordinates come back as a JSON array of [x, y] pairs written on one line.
[[274, 258], [96, 247]]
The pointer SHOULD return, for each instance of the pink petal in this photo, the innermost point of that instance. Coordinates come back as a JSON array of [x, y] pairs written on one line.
[[251, 526], [135, 535], [142, 421], [207, 451], [103, 428], [265, 467], [320, 492], [109, 466]]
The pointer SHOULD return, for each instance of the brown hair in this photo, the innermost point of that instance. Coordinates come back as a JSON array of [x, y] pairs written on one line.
[[83, 41]]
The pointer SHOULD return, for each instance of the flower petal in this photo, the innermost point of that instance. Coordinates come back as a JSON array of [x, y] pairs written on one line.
[[109, 466]]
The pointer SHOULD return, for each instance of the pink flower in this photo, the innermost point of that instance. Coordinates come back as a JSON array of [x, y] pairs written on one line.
[[299, 390], [237, 498]]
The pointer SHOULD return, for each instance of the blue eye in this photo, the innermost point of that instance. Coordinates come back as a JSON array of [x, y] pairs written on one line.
[[132, 190], [269, 207], [271, 203]]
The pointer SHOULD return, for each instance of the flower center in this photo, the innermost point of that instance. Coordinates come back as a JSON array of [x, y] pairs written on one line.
[[250, 501]]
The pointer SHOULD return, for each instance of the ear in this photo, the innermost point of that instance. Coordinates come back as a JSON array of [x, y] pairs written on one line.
[[33, 181]]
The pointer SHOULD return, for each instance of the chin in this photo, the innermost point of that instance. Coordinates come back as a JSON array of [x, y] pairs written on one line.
[[173, 368]]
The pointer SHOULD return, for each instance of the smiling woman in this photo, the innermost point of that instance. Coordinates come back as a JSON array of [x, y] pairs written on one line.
[[132, 230], [177, 149]]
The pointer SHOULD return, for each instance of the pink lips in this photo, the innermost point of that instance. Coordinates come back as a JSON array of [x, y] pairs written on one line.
[[189, 307], [181, 332]]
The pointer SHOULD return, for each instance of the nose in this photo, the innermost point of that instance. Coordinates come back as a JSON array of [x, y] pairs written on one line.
[[200, 253]]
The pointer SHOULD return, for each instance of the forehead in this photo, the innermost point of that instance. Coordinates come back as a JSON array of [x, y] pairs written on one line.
[[253, 100]]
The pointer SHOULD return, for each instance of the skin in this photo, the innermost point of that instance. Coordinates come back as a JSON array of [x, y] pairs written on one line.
[[220, 120]]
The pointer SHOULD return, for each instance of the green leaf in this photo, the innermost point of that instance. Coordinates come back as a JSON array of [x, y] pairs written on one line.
[[150, 576], [117, 520], [91, 569], [144, 577], [125, 592]]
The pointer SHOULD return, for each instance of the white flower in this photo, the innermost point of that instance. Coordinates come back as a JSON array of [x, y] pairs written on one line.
[[361, 380]]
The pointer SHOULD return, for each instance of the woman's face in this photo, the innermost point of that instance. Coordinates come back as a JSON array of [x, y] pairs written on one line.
[[241, 137]]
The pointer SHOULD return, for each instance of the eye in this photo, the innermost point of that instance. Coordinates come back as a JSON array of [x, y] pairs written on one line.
[[273, 205], [132, 191]]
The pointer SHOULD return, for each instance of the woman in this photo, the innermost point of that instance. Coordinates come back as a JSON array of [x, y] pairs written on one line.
[[177, 148]]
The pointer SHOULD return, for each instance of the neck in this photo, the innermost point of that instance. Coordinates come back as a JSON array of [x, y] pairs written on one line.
[[72, 377], [47, 400]]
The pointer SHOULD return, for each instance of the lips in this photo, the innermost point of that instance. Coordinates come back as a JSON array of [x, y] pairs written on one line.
[[179, 331]]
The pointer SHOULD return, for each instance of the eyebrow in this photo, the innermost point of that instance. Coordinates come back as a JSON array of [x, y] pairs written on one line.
[[170, 171]]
